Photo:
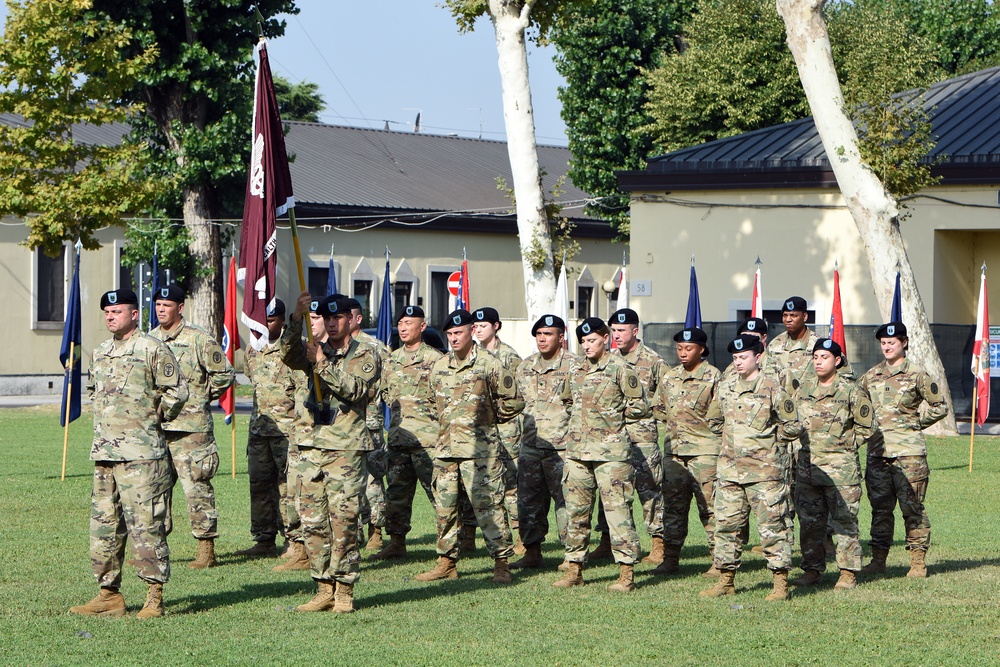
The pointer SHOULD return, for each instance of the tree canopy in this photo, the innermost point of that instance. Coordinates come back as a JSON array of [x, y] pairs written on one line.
[[298, 101]]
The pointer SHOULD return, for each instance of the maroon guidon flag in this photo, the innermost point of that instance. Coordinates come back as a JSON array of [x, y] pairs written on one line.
[[268, 195]]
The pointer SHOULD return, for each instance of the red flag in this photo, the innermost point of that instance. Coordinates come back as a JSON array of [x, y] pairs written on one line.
[[837, 315], [268, 195], [981, 355], [230, 339], [756, 303], [462, 300]]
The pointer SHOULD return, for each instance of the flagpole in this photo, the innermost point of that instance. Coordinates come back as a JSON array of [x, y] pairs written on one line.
[[972, 424], [69, 404], [307, 325]]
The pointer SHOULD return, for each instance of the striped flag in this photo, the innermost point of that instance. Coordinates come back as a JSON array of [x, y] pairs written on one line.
[[837, 315], [757, 302], [230, 339], [462, 300], [981, 354], [622, 291]]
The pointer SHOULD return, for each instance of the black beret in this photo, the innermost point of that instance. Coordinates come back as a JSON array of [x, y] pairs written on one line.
[[754, 324], [119, 297], [410, 311], [691, 335], [334, 306], [457, 318], [548, 321], [277, 309], [891, 330], [831, 346], [589, 326], [170, 293], [486, 315], [314, 305], [794, 303], [745, 343], [352, 304], [624, 316]]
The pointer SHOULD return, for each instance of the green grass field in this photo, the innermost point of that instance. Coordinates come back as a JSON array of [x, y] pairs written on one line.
[[241, 613]]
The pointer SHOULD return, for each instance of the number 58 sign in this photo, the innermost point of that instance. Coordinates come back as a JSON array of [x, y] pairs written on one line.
[[641, 288]]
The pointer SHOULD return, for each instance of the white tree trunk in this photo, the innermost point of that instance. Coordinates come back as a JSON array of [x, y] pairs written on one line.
[[874, 211], [510, 19]]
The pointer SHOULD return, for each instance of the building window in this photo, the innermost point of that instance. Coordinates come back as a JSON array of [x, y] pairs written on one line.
[[442, 302], [318, 279], [401, 292], [362, 291], [123, 272], [50, 277], [586, 306]]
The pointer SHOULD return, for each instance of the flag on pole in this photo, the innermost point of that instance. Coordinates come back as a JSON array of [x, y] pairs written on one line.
[[268, 195], [562, 294], [462, 300], [756, 302], [154, 321], [896, 312], [622, 290], [837, 314], [384, 329], [69, 352], [230, 339], [981, 354], [693, 316], [331, 276]]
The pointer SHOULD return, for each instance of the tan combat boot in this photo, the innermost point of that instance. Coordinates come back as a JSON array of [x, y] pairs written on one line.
[[374, 538], [655, 556], [724, 586], [573, 576], [298, 560], [757, 550], [603, 550], [847, 581], [154, 603], [109, 602], [563, 566], [918, 564], [501, 572], [343, 598], [395, 549], [780, 590], [877, 566], [322, 601], [445, 569], [808, 578], [670, 556], [532, 558], [206, 555], [712, 572], [626, 579], [467, 539], [265, 549]]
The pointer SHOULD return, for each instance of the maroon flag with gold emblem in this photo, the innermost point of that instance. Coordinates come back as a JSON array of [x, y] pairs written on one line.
[[268, 195]]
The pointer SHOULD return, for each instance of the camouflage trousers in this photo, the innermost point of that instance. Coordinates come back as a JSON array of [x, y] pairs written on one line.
[[195, 459], [686, 477], [483, 479], [331, 484], [647, 461], [373, 502], [539, 483], [407, 467], [509, 459], [293, 524], [267, 468], [130, 501], [902, 480], [771, 507], [612, 480], [819, 506]]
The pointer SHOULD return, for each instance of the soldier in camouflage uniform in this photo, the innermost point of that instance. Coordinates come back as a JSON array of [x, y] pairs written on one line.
[[791, 350], [544, 380], [413, 427], [473, 393], [191, 436], [333, 457], [685, 402], [759, 420], [486, 325], [267, 442], [897, 469], [607, 395], [135, 387], [837, 417], [757, 327]]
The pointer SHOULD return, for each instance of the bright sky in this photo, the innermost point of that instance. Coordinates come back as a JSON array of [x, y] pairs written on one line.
[[387, 60]]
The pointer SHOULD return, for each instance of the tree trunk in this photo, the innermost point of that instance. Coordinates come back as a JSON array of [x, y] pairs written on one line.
[[874, 211], [204, 302], [510, 19]]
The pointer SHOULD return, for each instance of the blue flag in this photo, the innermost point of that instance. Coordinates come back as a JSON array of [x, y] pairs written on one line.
[[154, 321], [693, 317], [384, 330], [331, 279], [896, 314], [69, 352]]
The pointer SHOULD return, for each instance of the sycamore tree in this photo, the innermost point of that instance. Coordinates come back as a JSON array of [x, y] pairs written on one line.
[[60, 68], [298, 101]]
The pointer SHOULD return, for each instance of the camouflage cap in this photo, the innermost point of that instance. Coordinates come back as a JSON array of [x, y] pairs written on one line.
[[118, 297], [745, 343], [548, 321], [794, 304], [410, 311], [457, 318], [624, 316], [891, 330]]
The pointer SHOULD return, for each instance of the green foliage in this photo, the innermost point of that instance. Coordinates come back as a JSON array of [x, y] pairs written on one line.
[[543, 14], [59, 68], [298, 101], [564, 246], [604, 48]]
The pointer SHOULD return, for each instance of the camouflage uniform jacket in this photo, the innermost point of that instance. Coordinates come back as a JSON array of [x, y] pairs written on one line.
[[204, 366], [650, 367], [375, 418], [758, 415], [472, 396], [273, 391], [348, 380], [548, 398], [836, 419], [508, 356], [607, 396], [896, 394], [132, 383], [685, 403], [406, 389]]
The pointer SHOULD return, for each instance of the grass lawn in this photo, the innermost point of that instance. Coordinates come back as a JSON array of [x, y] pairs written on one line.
[[241, 612]]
